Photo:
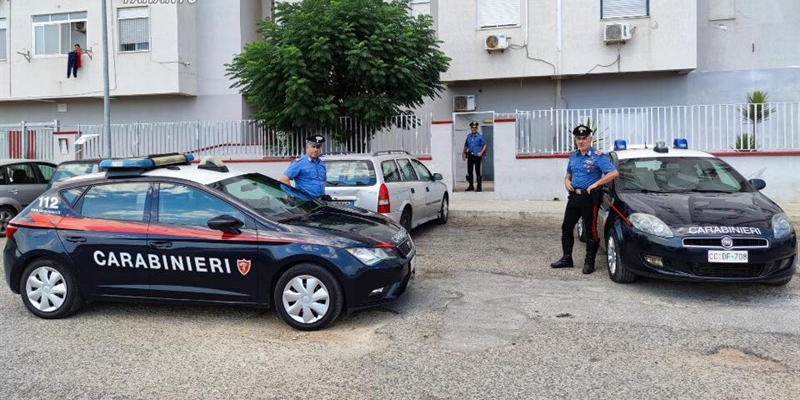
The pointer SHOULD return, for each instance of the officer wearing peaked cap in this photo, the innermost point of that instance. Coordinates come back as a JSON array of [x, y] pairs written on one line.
[[475, 147], [587, 170], [308, 171]]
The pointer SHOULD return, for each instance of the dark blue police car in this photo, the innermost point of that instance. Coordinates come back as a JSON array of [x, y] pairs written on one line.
[[680, 214], [161, 228]]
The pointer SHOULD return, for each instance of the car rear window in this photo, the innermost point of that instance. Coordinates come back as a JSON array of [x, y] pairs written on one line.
[[350, 173]]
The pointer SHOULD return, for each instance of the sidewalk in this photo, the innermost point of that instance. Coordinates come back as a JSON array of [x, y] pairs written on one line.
[[483, 204]]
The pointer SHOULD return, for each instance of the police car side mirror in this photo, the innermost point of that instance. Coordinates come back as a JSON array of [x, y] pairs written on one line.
[[758, 184], [225, 223], [437, 176]]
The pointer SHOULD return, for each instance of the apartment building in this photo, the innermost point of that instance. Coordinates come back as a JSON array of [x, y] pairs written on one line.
[[166, 59], [530, 54]]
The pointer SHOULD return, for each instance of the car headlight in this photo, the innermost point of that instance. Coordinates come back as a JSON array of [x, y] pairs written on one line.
[[650, 224], [369, 255], [781, 225]]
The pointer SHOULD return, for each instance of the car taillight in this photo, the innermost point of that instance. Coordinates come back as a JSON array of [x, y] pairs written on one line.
[[10, 231], [383, 200]]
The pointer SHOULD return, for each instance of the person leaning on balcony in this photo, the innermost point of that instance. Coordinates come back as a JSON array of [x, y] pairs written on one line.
[[587, 170], [308, 171], [474, 149]]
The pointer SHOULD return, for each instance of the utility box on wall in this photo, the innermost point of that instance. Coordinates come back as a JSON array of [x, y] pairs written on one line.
[[464, 103]]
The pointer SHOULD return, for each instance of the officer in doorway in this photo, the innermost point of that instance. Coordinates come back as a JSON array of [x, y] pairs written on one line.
[[474, 149], [587, 171], [308, 172]]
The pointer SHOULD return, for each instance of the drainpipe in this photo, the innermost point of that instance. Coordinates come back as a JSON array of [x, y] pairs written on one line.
[[559, 56]]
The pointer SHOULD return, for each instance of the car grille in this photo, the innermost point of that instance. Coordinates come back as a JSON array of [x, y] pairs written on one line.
[[720, 270], [406, 247], [716, 242]]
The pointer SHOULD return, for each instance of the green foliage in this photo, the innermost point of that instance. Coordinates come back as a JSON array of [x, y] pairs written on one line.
[[756, 111], [323, 59], [745, 142]]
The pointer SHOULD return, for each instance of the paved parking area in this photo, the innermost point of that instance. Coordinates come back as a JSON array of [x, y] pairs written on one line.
[[485, 318]]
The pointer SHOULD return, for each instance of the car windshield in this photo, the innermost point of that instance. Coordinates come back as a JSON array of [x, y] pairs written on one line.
[[69, 170], [350, 173], [679, 174], [268, 196]]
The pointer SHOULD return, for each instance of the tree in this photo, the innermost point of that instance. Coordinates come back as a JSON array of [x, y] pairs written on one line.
[[320, 60], [754, 113]]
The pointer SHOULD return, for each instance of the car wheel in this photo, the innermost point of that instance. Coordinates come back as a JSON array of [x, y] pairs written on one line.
[[308, 297], [444, 211], [616, 268], [6, 214], [581, 231], [405, 219], [49, 290]]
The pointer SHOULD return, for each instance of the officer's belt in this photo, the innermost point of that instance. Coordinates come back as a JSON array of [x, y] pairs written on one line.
[[580, 191]]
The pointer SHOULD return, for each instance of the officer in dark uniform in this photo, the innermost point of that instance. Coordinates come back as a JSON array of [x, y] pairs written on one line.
[[308, 171], [474, 148], [587, 170]]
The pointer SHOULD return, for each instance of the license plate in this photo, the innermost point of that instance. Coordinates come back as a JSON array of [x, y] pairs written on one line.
[[731, 256], [342, 202]]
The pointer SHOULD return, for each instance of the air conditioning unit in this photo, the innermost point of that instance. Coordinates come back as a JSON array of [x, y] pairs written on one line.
[[79, 26], [464, 103], [495, 42], [616, 33]]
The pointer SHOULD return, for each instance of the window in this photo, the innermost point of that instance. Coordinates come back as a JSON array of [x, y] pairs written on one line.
[[422, 171], [420, 7], [3, 36], [390, 172], [624, 8], [407, 170], [134, 29], [493, 13], [350, 173], [47, 171], [184, 205], [58, 33], [116, 201]]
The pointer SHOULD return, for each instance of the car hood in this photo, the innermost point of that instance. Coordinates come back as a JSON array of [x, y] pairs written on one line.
[[351, 223], [746, 209]]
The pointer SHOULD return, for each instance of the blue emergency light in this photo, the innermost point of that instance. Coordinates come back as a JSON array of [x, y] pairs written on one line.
[[680, 143], [146, 163], [620, 144]]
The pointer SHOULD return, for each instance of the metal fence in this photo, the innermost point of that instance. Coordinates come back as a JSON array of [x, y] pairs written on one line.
[[247, 139], [723, 127], [27, 140]]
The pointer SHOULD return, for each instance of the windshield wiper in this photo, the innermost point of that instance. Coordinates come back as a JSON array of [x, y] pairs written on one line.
[[294, 218]]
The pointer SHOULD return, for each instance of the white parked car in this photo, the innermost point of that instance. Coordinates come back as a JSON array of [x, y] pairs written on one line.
[[393, 183]]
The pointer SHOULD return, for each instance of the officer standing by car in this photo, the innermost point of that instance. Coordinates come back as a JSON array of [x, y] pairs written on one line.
[[474, 148], [587, 170], [308, 172]]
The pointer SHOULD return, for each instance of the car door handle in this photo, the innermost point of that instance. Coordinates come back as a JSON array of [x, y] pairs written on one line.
[[160, 244], [427, 189], [412, 190], [13, 191], [76, 239]]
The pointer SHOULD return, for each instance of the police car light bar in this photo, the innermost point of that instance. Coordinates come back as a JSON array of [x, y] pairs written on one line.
[[145, 163], [620, 144], [680, 143]]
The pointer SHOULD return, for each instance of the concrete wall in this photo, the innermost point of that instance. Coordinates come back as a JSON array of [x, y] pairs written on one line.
[[543, 178]]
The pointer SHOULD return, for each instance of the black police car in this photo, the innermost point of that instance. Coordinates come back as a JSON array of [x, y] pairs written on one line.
[[681, 214], [163, 229]]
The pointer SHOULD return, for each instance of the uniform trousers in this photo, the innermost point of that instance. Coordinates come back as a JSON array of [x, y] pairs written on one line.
[[582, 205], [474, 163]]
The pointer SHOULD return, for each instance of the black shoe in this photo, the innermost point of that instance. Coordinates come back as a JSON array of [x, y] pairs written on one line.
[[588, 268], [563, 262], [478, 190], [469, 189]]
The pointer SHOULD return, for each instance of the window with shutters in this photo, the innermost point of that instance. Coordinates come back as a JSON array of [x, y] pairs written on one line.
[[58, 33], [624, 8], [134, 29], [495, 13], [3, 36]]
